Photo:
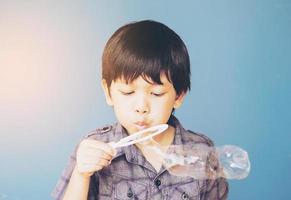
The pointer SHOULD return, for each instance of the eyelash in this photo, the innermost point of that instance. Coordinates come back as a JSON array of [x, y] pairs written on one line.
[[126, 93], [155, 94]]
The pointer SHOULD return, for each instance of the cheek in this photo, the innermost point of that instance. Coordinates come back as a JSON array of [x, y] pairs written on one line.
[[122, 106], [164, 105]]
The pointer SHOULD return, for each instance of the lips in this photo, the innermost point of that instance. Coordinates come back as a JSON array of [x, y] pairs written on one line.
[[141, 125]]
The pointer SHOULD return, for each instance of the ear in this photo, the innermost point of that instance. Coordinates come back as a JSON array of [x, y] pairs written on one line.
[[106, 91], [179, 100]]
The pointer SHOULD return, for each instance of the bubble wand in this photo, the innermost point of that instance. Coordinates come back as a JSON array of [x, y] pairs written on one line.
[[140, 136]]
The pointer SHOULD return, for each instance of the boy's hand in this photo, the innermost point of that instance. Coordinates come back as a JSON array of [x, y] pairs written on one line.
[[93, 155]]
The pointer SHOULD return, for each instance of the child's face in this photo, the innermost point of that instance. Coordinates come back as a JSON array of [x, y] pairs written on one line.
[[139, 104]]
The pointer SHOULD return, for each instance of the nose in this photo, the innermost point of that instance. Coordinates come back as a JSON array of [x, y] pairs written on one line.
[[141, 110], [141, 106]]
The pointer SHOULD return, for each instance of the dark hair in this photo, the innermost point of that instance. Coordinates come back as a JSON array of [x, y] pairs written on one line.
[[147, 48]]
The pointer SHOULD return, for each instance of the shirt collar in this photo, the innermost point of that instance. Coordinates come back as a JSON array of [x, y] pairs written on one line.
[[173, 121]]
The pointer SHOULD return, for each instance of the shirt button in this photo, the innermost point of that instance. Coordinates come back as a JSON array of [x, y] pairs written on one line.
[[157, 182], [129, 193], [105, 129], [185, 196]]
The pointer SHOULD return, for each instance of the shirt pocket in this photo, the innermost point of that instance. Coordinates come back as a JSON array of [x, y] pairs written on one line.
[[186, 191], [126, 189]]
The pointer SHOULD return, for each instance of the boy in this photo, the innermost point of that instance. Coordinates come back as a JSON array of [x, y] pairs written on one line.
[[145, 77]]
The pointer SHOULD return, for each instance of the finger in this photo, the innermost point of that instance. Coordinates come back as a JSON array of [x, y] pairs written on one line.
[[99, 153], [93, 155], [107, 149], [89, 169], [107, 156], [85, 154], [103, 162], [92, 167], [93, 161], [98, 145]]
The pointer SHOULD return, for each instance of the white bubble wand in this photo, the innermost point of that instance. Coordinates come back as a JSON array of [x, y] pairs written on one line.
[[140, 136]]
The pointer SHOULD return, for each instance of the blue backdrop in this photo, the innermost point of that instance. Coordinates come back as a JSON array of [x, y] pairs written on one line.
[[50, 56]]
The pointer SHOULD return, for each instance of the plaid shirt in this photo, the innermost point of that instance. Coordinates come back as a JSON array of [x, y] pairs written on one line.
[[131, 176]]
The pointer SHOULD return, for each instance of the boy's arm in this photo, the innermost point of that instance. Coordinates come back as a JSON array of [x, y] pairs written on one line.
[[90, 157], [78, 186], [62, 183]]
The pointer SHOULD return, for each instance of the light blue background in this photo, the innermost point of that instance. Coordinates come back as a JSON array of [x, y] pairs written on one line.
[[50, 56]]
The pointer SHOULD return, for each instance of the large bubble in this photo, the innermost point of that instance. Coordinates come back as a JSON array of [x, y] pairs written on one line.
[[204, 162]]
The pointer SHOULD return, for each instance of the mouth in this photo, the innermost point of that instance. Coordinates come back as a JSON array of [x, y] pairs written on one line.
[[141, 125]]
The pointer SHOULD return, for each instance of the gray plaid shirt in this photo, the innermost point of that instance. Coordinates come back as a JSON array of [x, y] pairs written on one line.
[[131, 176]]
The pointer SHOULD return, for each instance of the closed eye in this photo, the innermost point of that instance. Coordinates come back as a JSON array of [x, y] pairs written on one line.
[[126, 93], [157, 94]]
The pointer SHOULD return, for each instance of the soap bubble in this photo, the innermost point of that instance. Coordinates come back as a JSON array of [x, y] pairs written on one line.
[[235, 161], [203, 162]]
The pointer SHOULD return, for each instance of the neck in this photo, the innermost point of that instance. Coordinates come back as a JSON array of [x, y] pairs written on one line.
[[162, 140], [166, 138]]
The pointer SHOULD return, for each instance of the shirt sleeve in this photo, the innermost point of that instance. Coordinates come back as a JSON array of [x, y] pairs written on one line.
[[215, 190], [216, 187], [62, 183]]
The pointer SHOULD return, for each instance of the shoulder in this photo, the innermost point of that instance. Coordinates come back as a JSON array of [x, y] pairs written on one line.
[[104, 133], [198, 138], [188, 136]]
